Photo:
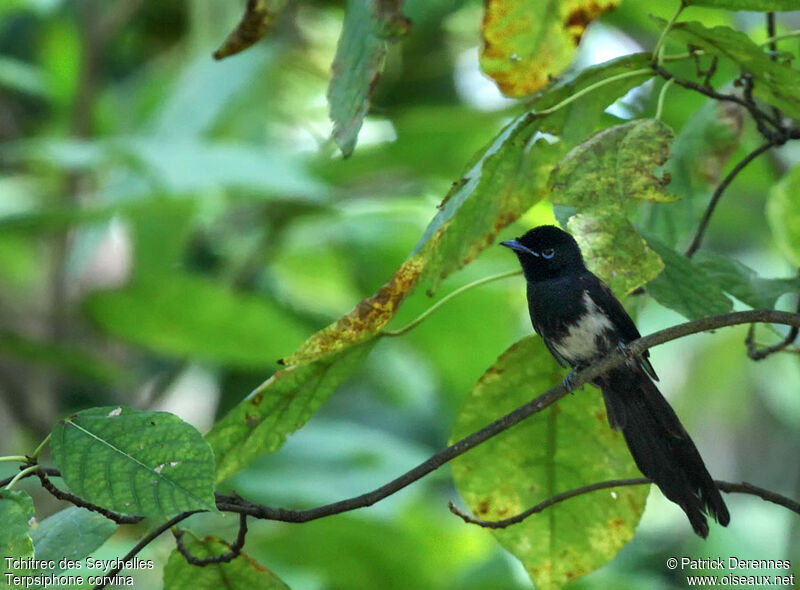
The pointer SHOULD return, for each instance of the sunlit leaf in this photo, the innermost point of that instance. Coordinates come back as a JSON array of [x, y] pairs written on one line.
[[614, 251], [743, 282], [242, 573], [368, 26], [783, 214], [684, 287], [614, 168], [775, 82], [257, 20], [278, 407], [135, 462], [526, 42], [566, 446], [72, 533], [191, 316]]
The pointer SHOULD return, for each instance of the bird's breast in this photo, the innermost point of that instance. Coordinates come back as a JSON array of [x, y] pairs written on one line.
[[572, 324]]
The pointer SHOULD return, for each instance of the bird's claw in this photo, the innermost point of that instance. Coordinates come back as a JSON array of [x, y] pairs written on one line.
[[568, 380], [625, 350]]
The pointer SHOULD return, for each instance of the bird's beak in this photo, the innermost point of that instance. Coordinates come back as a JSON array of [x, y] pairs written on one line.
[[517, 247]]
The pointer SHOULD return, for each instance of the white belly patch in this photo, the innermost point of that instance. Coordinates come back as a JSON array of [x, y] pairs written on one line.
[[580, 343]]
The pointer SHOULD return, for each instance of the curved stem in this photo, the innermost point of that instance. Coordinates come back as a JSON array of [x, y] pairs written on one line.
[[657, 57], [592, 88], [661, 96], [41, 447], [413, 324], [20, 475], [14, 459]]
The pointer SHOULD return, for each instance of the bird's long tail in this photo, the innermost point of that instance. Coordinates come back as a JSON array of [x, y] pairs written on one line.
[[660, 445]]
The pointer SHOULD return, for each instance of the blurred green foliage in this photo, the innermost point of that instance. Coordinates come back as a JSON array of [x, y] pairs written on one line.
[[171, 226]]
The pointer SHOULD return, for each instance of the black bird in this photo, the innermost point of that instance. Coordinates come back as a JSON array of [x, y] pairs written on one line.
[[581, 321]]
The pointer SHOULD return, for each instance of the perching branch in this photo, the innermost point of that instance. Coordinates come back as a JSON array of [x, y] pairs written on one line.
[[617, 357], [234, 503], [728, 487]]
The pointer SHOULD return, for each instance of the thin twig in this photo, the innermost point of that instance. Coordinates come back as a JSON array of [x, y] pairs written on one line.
[[694, 245], [617, 357], [47, 470], [728, 487], [146, 540], [235, 547], [77, 501], [760, 354]]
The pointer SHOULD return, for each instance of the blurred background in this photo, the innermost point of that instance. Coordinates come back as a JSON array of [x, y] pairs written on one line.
[[128, 152]]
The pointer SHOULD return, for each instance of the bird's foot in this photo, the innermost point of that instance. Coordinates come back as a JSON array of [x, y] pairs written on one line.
[[625, 350], [569, 379]]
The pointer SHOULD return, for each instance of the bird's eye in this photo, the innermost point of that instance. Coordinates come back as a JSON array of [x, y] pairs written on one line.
[[548, 252]]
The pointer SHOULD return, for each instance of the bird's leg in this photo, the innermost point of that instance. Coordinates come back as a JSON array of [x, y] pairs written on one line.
[[567, 382], [625, 350]]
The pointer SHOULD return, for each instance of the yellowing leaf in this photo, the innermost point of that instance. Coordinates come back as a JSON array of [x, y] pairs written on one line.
[[614, 168], [566, 446], [526, 42], [365, 320], [615, 252]]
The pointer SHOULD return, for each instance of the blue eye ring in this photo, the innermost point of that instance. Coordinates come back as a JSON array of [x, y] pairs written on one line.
[[548, 253]]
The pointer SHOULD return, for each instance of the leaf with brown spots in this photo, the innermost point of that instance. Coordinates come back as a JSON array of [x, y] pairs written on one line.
[[562, 448], [526, 42], [257, 20], [278, 407], [364, 321]]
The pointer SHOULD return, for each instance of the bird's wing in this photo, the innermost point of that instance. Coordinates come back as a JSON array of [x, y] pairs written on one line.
[[605, 300]]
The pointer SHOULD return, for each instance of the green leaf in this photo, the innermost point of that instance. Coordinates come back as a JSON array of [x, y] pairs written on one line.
[[242, 573], [783, 214], [614, 168], [191, 316], [281, 405], [72, 533], [743, 282], [754, 5], [16, 514], [775, 83], [614, 251], [368, 26], [134, 462], [684, 286], [526, 42], [603, 178], [566, 446]]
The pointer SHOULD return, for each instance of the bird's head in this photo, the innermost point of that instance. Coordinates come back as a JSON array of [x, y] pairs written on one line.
[[546, 252]]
